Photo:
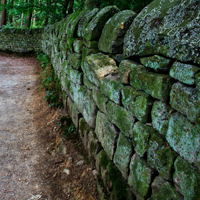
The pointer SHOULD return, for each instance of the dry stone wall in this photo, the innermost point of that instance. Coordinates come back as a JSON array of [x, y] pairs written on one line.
[[132, 87]]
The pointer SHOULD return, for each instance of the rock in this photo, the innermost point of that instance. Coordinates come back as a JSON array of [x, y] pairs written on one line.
[[74, 60], [186, 179], [95, 173], [183, 137], [94, 28], [81, 162], [157, 85], [186, 100], [140, 177], [106, 133], [91, 44], [160, 116], [162, 189], [111, 40], [123, 155], [137, 103], [88, 84], [67, 171], [121, 118], [74, 75], [156, 62], [168, 28], [185, 73], [97, 66], [78, 45]]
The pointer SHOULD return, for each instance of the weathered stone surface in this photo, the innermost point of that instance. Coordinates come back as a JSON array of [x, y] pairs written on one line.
[[125, 69], [157, 85], [100, 99], [140, 177], [117, 57], [156, 62], [162, 189], [197, 81], [121, 118], [91, 44], [74, 60], [69, 44], [82, 25], [185, 73], [140, 138], [97, 66], [160, 156], [137, 103], [86, 52], [184, 138], [94, 28], [74, 75], [186, 179], [123, 155], [112, 37], [78, 45], [107, 133], [169, 28], [88, 83], [186, 100], [111, 87], [160, 116]]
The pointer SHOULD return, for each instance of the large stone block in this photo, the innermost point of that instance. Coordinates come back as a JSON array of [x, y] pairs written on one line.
[[111, 87], [94, 28], [157, 85], [86, 52], [106, 133], [137, 103], [140, 177], [74, 60], [184, 138], [112, 37], [160, 116], [186, 179], [78, 45], [185, 73], [121, 118], [186, 100], [156, 62], [74, 75], [164, 28], [97, 66], [123, 155]]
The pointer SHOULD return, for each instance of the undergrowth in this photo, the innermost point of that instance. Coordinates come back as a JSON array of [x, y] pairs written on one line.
[[49, 82]]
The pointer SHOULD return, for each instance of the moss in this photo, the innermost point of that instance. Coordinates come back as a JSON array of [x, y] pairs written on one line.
[[93, 147], [83, 127], [104, 160], [70, 42]]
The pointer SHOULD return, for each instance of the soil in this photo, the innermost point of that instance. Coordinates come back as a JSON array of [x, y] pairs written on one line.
[[32, 163]]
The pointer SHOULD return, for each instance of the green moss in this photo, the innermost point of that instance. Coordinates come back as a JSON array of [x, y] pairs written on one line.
[[70, 42], [104, 160], [93, 147]]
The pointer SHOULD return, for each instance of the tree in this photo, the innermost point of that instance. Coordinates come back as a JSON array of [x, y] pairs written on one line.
[[4, 13]]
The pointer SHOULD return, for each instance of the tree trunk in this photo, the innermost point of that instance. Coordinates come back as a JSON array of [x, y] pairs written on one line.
[[66, 3], [28, 20], [71, 5], [3, 14]]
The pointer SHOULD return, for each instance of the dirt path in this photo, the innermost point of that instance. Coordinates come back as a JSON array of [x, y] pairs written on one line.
[[30, 167]]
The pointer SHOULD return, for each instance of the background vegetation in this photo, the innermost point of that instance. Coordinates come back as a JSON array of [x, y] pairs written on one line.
[[38, 13]]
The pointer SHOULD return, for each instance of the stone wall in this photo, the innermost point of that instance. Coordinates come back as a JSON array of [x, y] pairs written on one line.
[[20, 40]]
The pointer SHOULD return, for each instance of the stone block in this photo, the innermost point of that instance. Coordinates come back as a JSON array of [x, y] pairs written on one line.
[[112, 37], [74, 75], [137, 103], [184, 138], [94, 28], [186, 179], [86, 52], [91, 44], [106, 133], [88, 83], [121, 118], [97, 66], [186, 100], [123, 155], [74, 60], [78, 45], [140, 177], [185, 73]]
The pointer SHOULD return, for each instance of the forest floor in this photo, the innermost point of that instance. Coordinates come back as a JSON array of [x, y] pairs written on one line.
[[32, 164]]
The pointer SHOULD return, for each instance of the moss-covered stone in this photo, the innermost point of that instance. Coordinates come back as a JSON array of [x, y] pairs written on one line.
[[140, 137], [140, 177], [78, 45], [74, 60], [125, 69], [185, 73], [100, 99], [121, 118], [91, 44], [88, 83], [69, 44], [162, 189], [197, 81], [156, 62], [157, 85], [74, 75], [184, 138], [123, 155], [160, 116], [97, 66], [111, 87], [111, 40], [106, 133], [137, 103], [94, 28], [186, 100], [186, 179]]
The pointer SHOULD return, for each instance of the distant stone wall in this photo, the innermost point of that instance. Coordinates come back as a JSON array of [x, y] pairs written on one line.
[[20, 40]]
